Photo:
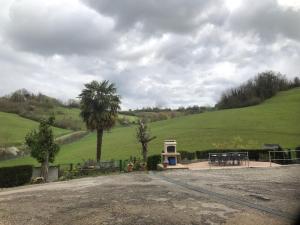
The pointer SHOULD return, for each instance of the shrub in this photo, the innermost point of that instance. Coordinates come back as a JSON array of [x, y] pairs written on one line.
[[90, 163], [15, 176], [152, 161]]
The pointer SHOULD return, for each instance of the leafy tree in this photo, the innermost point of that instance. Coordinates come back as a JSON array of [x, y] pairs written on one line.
[[99, 106], [296, 82], [144, 137], [42, 146], [21, 95]]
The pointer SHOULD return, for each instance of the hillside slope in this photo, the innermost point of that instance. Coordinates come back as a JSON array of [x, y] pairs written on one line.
[[13, 129], [38, 106], [274, 121]]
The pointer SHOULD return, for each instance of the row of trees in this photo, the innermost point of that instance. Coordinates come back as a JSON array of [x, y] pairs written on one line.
[[187, 110], [25, 96], [195, 109], [263, 86]]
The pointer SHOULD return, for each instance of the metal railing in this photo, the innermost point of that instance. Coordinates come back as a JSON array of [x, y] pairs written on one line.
[[287, 155]]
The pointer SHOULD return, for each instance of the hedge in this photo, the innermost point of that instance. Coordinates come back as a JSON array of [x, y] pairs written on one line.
[[297, 152], [187, 155], [152, 161], [15, 176]]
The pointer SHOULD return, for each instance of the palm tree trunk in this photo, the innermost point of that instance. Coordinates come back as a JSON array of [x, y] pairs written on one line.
[[44, 168], [99, 144], [145, 151]]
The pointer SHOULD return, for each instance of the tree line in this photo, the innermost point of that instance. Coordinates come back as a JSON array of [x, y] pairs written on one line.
[[265, 85], [24, 98], [188, 110]]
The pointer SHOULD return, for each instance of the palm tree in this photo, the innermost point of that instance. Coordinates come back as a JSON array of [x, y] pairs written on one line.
[[99, 104]]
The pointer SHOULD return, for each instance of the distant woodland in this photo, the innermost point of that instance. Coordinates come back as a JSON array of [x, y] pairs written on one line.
[[265, 85]]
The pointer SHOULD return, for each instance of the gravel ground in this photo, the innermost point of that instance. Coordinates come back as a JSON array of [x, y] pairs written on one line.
[[141, 198]]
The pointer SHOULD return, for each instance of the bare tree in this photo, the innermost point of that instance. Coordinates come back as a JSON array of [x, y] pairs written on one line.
[[144, 137]]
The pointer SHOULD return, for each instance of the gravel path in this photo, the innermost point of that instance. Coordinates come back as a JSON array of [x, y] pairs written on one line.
[[141, 198]]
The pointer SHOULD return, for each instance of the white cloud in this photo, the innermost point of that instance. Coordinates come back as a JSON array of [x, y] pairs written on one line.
[[156, 56], [294, 4]]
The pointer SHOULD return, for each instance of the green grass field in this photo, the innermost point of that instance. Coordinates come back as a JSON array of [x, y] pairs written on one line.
[[274, 121], [13, 129]]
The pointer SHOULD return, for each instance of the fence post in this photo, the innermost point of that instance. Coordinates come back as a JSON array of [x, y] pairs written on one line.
[[270, 158], [248, 158], [120, 165], [290, 156], [71, 166]]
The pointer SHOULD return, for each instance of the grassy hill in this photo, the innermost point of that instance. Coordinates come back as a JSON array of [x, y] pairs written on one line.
[[64, 116], [69, 117], [13, 129], [38, 106], [274, 121]]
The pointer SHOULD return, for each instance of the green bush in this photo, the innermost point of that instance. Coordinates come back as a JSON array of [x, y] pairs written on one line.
[[15, 176], [152, 162]]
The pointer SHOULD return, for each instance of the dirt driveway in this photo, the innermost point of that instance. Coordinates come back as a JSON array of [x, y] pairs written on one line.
[[171, 197]]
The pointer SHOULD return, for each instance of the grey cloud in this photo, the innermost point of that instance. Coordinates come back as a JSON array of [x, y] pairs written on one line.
[[161, 16], [267, 19], [167, 53], [57, 30]]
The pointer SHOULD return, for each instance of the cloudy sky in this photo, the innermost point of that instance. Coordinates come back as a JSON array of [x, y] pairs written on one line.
[[166, 53]]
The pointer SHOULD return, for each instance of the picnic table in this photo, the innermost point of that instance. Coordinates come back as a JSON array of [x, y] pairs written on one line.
[[228, 158]]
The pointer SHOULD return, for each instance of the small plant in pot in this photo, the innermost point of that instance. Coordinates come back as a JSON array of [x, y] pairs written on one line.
[[166, 163], [130, 167], [143, 166]]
